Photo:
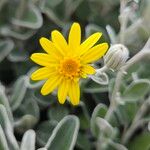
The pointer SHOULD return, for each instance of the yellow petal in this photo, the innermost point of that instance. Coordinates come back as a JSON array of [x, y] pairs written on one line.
[[63, 91], [74, 36], [43, 59], [51, 84], [88, 69], [42, 73], [49, 47], [59, 41], [89, 42], [95, 53], [74, 92]]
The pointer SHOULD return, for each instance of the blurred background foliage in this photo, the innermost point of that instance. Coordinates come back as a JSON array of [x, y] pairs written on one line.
[[57, 127]]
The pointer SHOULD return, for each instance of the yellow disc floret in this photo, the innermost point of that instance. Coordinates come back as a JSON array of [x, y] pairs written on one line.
[[70, 67]]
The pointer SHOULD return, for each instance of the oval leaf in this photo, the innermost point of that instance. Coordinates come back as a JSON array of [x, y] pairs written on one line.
[[136, 90], [99, 111], [5, 48], [28, 140], [104, 126], [141, 142], [64, 135], [19, 91], [3, 142]]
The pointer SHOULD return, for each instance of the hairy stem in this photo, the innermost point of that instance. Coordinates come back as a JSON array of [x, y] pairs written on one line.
[[123, 20]]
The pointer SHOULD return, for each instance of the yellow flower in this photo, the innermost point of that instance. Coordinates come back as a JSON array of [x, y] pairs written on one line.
[[64, 63]]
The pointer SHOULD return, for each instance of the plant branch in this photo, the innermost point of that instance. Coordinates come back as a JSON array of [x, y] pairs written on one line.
[[123, 18]]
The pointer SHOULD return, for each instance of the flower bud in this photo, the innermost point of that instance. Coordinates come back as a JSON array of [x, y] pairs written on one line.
[[116, 57]]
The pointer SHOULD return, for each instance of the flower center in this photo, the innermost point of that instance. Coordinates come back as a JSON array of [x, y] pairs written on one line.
[[70, 67]]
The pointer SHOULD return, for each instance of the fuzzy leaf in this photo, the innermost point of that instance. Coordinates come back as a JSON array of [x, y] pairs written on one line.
[[6, 125], [136, 90], [28, 140], [25, 123], [3, 141], [5, 48], [112, 34], [104, 126], [99, 111], [83, 142], [93, 87], [64, 135], [44, 130], [57, 113], [5, 102], [140, 142], [32, 19], [19, 91], [101, 79]]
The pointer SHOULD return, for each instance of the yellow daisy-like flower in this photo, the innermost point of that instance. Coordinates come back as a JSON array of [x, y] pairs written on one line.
[[64, 63]]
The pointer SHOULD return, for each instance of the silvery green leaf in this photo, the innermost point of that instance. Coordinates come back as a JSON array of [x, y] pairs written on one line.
[[3, 141], [68, 126], [4, 120], [44, 101], [126, 113], [44, 130], [136, 90], [140, 142], [6, 31], [28, 112], [18, 55], [104, 127], [5, 102], [93, 87], [112, 34], [83, 142], [32, 18], [28, 140], [25, 123], [99, 111], [6, 47], [100, 78], [31, 107], [57, 112], [6, 125], [18, 93], [34, 85]]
